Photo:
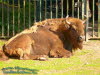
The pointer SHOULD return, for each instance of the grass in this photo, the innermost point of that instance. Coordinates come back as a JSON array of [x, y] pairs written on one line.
[[85, 62], [1, 43]]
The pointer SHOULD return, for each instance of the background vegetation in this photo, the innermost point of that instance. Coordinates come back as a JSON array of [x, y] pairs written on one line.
[[14, 14]]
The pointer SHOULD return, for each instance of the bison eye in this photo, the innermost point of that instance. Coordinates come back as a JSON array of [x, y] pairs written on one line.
[[74, 30]]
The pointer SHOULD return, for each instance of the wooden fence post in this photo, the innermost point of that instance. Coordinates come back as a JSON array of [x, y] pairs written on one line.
[[98, 18]]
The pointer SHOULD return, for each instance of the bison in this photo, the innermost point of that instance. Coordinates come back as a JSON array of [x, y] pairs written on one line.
[[36, 45], [52, 38], [71, 30]]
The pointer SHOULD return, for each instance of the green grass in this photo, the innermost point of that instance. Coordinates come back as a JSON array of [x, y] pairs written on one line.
[[85, 62], [1, 43]]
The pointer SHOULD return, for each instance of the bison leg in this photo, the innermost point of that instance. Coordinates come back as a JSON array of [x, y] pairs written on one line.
[[20, 53], [42, 57], [60, 52], [35, 57], [3, 57]]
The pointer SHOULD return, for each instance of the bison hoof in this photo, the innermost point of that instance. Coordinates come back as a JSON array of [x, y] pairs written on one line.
[[21, 58], [43, 58]]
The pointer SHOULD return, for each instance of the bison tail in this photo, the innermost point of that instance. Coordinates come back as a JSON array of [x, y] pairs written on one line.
[[3, 47], [3, 57]]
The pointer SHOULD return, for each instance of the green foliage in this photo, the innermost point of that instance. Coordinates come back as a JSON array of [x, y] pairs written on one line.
[[1, 43], [14, 17]]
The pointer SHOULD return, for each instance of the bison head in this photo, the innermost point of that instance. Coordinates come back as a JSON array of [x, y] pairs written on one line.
[[75, 32]]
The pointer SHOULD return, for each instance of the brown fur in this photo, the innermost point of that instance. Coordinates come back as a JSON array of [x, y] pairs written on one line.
[[36, 45], [70, 31], [3, 56], [55, 38]]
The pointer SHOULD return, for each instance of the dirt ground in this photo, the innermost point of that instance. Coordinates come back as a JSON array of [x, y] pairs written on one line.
[[92, 45]]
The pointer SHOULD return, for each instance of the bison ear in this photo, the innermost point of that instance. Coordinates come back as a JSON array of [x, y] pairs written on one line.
[[67, 26], [83, 21], [74, 26]]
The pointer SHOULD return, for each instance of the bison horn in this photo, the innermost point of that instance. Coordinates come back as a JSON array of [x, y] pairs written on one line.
[[85, 19], [67, 16], [68, 22]]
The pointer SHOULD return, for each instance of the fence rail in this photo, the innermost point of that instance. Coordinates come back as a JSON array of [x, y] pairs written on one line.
[[16, 15]]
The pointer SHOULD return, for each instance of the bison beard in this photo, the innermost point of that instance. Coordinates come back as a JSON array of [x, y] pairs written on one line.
[[52, 37]]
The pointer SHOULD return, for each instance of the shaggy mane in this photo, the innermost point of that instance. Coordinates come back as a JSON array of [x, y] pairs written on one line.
[[60, 25]]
